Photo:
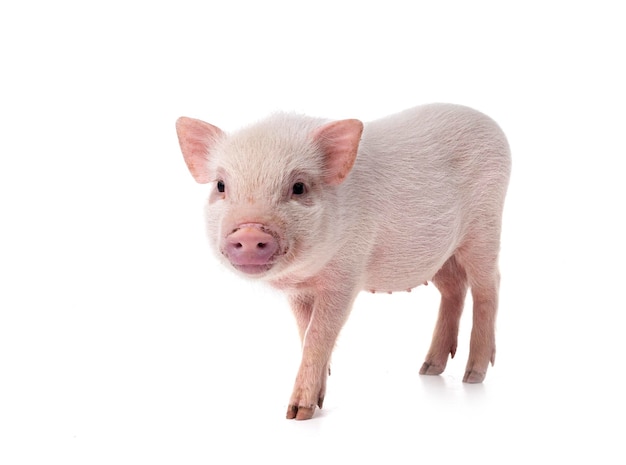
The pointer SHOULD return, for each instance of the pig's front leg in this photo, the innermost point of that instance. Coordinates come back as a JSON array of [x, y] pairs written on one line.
[[320, 317], [302, 308]]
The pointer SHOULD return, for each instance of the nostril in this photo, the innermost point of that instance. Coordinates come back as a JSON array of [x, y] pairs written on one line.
[[239, 245]]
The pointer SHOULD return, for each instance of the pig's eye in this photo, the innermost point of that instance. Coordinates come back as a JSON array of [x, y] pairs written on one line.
[[220, 186], [298, 188]]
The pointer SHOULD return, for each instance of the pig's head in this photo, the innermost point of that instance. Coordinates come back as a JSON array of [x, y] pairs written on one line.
[[273, 204]]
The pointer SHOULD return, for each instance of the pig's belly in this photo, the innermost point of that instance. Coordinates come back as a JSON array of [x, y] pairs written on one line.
[[404, 267]]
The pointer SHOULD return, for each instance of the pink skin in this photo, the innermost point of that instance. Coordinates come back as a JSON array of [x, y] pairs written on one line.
[[323, 210], [250, 248]]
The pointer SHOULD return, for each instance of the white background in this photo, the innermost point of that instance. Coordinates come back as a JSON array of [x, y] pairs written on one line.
[[122, 341]]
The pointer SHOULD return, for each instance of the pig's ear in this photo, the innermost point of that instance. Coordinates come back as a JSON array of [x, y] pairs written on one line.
[[196, 139], [339, 141]]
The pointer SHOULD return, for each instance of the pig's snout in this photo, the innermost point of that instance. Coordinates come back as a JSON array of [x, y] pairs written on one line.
[[251, 248]]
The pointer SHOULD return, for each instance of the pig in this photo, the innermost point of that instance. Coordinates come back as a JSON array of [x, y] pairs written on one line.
[[323, 209]]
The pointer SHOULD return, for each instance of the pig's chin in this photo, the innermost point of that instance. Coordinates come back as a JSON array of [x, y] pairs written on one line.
[[253, 270]]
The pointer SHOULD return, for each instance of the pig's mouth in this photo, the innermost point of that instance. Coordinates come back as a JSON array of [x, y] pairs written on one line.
[[253, 269]]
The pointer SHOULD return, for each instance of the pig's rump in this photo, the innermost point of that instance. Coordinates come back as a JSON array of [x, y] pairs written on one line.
[[435, 180]]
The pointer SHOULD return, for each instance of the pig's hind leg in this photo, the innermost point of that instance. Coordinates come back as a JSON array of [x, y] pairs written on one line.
[[479, 257], [451, 281]]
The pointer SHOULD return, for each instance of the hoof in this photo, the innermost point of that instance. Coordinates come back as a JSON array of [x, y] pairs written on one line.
[[300, 413], [473, 377], [430, 369]]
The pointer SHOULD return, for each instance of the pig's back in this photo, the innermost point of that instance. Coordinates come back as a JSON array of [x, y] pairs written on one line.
[[426, 176]]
